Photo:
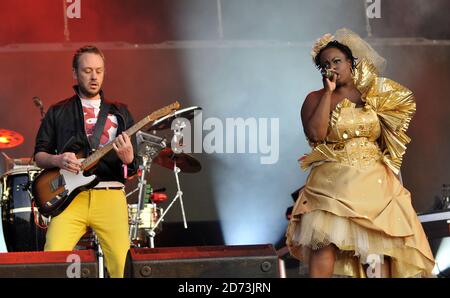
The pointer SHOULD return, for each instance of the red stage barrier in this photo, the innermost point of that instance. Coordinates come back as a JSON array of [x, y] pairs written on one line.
[[80, 263], [241, 261]]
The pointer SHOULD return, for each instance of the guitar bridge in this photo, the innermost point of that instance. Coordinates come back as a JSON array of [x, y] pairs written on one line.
[[56, 199]]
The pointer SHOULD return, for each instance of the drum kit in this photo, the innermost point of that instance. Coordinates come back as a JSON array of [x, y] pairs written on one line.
[[23, 228], [19, 230]]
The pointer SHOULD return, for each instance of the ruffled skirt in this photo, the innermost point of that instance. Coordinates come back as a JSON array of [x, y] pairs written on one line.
[[318, 221]]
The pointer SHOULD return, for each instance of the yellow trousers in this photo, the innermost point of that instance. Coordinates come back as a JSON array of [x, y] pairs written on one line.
[[105, 211]]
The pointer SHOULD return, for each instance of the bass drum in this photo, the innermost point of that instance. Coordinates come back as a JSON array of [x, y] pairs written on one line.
[[2, 235], [20, 232]]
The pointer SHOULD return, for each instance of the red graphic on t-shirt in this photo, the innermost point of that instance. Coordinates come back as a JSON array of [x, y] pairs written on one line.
[[90, 118], [109, 124]]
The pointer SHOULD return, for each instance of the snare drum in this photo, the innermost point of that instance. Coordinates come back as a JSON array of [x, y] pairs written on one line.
[[19, 228], [147, 221], [148, 216]]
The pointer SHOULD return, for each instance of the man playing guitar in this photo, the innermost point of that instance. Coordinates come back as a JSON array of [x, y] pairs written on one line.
[[70, 128]]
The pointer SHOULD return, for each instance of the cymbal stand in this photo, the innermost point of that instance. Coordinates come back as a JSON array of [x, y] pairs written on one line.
[[100, 255], [134, 225], [179, 195], [149, 147]]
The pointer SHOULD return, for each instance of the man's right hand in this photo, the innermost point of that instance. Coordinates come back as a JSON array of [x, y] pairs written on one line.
[[68, 161]]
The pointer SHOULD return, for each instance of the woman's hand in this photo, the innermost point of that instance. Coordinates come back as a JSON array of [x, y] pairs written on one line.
[[124, 149], [330, 85]]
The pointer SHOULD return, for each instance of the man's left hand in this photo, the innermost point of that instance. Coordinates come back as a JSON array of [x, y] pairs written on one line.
[[124, 149]]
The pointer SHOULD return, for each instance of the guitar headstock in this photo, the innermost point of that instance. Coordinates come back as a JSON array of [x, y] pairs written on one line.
[[163, 111]]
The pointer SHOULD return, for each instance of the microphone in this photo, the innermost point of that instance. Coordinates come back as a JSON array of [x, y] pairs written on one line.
[[327, 73], [38, 103]]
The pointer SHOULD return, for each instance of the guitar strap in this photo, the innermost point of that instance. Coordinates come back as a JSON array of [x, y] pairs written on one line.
[[94, 140]]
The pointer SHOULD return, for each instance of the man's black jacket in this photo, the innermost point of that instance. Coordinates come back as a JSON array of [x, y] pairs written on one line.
[[62, 130]]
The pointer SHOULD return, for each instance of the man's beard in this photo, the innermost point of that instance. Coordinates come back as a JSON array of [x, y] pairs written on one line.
[[88, 93]]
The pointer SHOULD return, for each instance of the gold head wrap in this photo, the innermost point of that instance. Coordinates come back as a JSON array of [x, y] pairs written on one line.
[[359, 47]]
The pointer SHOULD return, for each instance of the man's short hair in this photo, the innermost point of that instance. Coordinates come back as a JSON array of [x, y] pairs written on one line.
[[83, 50]]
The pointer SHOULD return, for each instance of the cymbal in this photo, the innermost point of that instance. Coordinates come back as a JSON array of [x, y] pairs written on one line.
[[10, 139], [167, 158], [166, 121]]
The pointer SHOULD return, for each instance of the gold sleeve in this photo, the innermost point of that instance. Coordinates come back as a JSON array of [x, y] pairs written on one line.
[[395, 107]]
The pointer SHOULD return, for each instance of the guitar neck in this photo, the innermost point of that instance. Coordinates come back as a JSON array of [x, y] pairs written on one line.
[[92, 159]]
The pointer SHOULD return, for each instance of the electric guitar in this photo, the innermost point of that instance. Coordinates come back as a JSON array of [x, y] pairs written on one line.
[[54, 189]]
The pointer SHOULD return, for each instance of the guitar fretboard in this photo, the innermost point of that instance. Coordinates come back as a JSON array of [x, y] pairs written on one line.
[[99, 153]]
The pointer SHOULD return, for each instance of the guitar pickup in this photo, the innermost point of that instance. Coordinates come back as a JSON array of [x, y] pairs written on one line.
[[56, 199], [57, 183]]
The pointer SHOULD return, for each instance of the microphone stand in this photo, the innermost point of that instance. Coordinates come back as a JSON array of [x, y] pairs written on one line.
[[41, 109], [38, 103]]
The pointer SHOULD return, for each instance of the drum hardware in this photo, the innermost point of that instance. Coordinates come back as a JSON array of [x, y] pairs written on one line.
[[134, 224], [180, 163], [149, 144], [148, 217], [184, 162], [90, 241], [148, 147], [100, 255], [152, 149], [166, 158]]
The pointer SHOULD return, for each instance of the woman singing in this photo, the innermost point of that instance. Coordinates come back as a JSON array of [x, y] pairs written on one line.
[[353, 216]]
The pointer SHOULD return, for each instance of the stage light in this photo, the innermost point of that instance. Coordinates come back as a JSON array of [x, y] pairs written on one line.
[[442, 256]]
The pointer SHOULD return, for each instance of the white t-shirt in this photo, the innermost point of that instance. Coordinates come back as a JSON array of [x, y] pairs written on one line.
[[91, 108]]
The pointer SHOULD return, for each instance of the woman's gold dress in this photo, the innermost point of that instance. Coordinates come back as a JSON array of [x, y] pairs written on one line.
[[352, 198]]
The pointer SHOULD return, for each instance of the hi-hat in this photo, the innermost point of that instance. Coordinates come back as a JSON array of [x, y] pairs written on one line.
[[187, 164], [166, 121], [10, 139]]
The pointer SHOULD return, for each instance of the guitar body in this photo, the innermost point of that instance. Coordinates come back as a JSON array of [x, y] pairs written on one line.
[[54, 189]]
